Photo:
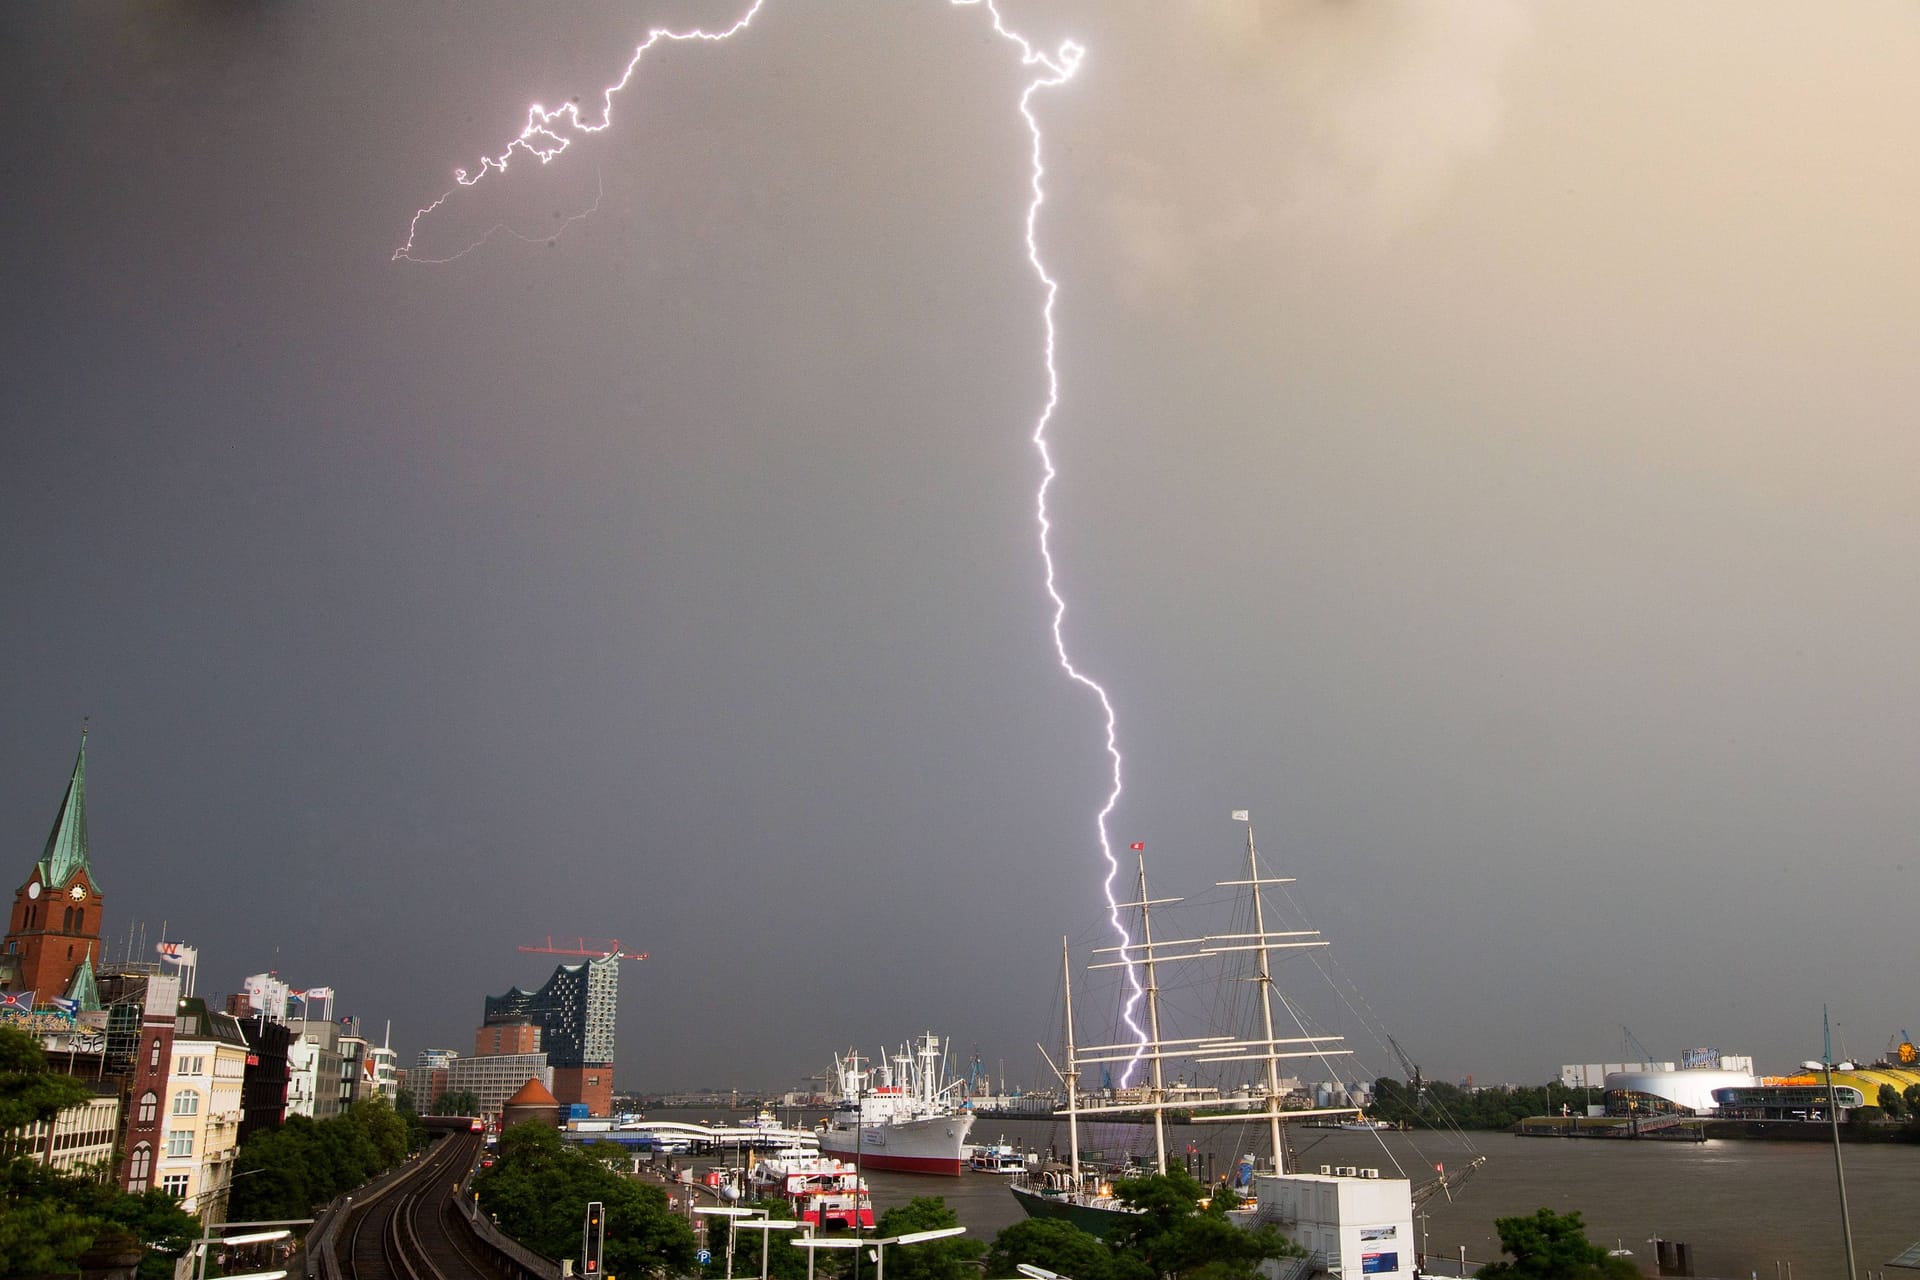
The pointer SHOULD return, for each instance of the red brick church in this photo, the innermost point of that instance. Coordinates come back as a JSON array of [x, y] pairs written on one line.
[[55, 926]]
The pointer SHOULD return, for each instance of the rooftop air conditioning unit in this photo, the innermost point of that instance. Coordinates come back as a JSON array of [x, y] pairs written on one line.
[[1326, 1171], [1369, 1173], [1347, 1171]]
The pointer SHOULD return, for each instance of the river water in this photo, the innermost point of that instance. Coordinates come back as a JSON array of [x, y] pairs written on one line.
[[1747, 1208]]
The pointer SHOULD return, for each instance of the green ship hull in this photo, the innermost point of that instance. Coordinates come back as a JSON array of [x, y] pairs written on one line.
[[1096, 1220]]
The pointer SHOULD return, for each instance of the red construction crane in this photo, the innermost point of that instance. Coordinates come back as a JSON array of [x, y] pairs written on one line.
[[599, 951]]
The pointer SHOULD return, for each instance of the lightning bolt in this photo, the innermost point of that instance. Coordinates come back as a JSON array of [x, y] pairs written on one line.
[[549, 133]]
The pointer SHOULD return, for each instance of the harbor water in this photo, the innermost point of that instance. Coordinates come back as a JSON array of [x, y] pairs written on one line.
[[1747, 1208]]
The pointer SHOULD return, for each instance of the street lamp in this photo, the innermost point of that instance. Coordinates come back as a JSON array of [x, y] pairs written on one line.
[[764, 1225], [282, 1229], [880, 1246], [1033, 1272], [1839, 1172], [729, 1211]]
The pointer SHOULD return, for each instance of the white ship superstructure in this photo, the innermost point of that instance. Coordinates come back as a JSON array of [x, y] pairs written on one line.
[[900, 1116]]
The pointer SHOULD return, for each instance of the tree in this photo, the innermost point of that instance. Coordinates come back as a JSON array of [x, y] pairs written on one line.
[[375, 1117], [409, 1113], [49, 1218], [950, 1259], [538, 1191], [457, 1102], [1553, 1246], [1053, 1243], [285, 1172], [29, 1093], [1892, 1103], [1171, 1233]]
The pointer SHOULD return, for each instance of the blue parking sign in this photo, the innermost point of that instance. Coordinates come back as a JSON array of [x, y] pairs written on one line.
[[705, 1256]]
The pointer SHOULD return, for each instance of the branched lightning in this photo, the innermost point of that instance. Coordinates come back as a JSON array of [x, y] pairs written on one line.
[[548, 134]]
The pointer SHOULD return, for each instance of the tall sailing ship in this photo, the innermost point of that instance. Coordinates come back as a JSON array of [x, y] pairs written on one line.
[[1084, 1195], [898, 1116]]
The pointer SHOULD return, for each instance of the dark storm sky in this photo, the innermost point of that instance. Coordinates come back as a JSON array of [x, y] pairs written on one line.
[[1485, 453]]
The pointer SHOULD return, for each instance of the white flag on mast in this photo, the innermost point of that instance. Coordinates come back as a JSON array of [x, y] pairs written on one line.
[[1240, 815]]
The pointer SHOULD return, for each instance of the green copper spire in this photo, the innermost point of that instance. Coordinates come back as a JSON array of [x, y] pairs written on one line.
[[66, 852], [83, 990]]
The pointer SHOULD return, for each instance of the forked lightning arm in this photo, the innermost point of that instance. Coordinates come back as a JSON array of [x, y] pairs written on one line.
[[548, 134]]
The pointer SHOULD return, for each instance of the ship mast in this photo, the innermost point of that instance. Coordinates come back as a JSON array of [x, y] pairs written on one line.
[[1153, 1026], [1266, 998], [1263, 942], [1155, 1048], [1073, 1068]]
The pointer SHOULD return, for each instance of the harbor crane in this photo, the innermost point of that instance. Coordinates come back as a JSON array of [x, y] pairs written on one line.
[[602, 949], [1412, 1070]]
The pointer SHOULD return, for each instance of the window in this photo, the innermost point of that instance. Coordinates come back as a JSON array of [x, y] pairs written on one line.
[[175, 1184], [186, 1103], [179, 1142], [66, 920], [139, 1165], [149, 1103], [153, 1059]]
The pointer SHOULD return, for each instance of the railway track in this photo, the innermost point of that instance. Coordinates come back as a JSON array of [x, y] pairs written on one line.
[[413, 1229]]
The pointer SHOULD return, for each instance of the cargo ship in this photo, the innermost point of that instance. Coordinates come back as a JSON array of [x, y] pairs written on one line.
[[898, 1116]]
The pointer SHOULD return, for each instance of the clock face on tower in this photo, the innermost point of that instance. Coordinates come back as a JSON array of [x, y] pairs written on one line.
[[78, 891], [33, 890]]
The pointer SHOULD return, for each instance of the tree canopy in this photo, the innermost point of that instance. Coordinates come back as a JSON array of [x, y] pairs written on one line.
[[538, 1190], [457, 1102], [1446, 1106], [29, 1093], [1176, 1233], [48, 1219], [1053, 1243], [287, 1172], [1553, 1246], [955, 1258]]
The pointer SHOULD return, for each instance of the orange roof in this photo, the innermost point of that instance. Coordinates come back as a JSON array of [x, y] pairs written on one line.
[[533, 1094]]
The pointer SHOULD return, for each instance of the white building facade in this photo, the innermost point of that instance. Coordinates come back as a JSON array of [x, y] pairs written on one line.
[[79, 1140], [201, 1115], [1354, 1222]]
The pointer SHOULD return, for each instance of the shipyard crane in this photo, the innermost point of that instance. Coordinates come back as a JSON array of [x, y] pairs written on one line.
[[603, 949], [1633, 1042], [1412, 1070]]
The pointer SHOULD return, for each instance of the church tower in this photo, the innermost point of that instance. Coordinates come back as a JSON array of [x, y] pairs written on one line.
[[55, 925]]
